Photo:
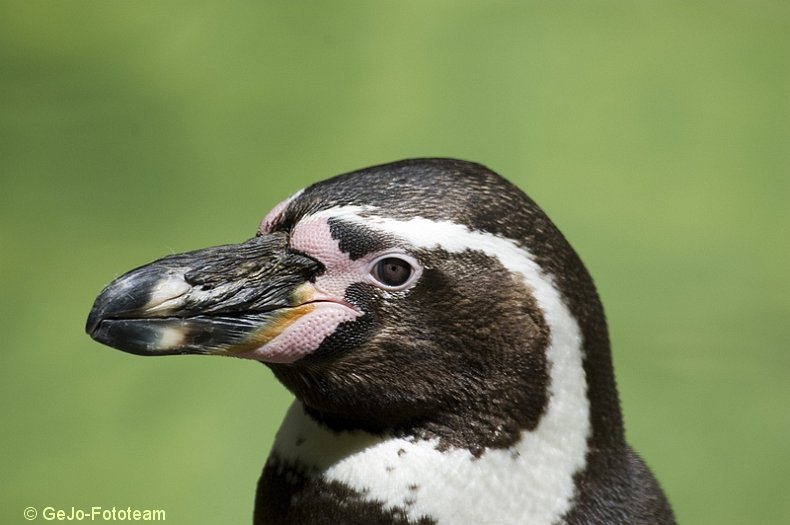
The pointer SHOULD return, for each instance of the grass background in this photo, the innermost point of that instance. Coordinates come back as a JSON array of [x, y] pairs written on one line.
[[655, 134]]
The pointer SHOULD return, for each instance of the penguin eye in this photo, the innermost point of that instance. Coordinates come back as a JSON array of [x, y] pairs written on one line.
[[392, 272]]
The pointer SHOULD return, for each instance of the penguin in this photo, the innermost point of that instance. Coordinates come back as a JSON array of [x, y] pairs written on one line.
[[446, 347]]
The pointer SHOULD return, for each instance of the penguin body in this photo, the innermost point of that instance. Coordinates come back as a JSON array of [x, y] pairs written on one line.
[[446, 346]]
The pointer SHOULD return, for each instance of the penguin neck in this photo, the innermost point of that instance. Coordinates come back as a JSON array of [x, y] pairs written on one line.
[[542, 464]]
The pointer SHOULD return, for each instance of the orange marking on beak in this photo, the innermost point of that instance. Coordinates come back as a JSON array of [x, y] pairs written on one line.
[[282, 320], [276, 326]]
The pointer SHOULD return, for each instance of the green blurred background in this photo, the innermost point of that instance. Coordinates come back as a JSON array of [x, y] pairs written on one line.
[[655, 134]]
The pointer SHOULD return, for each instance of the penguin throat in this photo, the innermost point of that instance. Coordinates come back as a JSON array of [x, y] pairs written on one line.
[[477, 426]]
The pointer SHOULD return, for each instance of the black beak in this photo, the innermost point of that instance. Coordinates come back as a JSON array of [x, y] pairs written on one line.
[[220, 300]]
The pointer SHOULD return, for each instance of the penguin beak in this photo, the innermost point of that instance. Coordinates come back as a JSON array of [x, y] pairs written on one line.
[[222, 300]]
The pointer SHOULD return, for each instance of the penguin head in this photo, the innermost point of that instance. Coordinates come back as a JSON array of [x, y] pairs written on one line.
[[405, 296]]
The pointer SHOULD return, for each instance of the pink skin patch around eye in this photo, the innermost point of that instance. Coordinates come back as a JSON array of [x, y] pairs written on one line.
[[313, 237]]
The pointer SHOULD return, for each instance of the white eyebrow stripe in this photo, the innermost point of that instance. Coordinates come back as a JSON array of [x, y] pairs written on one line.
[[454, 238]]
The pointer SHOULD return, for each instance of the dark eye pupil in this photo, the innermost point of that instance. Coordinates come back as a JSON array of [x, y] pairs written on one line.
[[392, 271]]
